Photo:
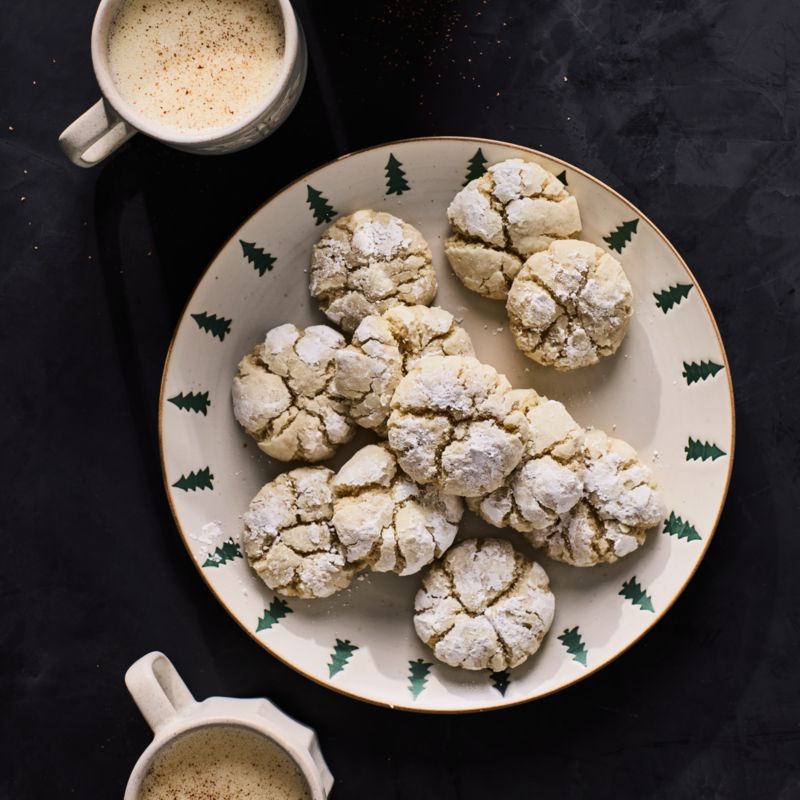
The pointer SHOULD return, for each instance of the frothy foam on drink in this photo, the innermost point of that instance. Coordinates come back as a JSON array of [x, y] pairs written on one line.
[[196, 64], [223, 763]]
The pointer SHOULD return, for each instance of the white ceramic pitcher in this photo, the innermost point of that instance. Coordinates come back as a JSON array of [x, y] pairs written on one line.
[[170, 710]]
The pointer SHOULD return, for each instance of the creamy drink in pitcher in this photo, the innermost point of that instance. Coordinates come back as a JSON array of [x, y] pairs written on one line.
[[223, 762], [196, 65]]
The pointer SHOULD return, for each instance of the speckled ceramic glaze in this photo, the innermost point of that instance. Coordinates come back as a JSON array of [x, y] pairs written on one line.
[[667, 392]]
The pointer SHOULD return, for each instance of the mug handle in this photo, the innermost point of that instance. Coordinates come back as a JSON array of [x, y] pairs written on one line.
[[158, 690], [96, 134]]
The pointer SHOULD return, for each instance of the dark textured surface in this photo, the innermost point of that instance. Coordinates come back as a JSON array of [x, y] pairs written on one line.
[[690, 109]]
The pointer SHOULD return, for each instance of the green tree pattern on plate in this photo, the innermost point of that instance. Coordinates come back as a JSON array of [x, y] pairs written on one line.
[[277, 610], [260, 260], [477, 167], [702, 451], [226, 552], [197, 402], [418, 676], [501, 680], [571, 639], [211, 323], [202, 479], [675, 526], [562, 176], [618, 238], [671, 296], [340, 656], [396, 182], [698, 371], [323, 211], [632, 591]]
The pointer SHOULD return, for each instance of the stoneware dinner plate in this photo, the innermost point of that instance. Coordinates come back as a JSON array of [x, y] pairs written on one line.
[[667, 391]]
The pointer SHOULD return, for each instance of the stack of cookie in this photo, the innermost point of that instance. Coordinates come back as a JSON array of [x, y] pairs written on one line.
[[450, 428]]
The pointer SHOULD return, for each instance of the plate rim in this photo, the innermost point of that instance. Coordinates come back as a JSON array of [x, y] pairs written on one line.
[[401, 706]]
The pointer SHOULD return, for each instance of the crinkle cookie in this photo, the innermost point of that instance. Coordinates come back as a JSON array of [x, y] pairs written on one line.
[[570, 305], [289, 539], [484, 606], [282, 397], [453, 424], [368, 371], [513, 211], [382, 351], [386, 520], [620, 503], [368, 262], [549, 480]]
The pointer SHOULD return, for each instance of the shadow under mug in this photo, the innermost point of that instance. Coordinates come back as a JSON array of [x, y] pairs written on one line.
[[111, 121], [171, 711]]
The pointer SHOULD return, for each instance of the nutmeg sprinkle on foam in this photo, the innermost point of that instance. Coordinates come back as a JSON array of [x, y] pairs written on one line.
[[196, 64]]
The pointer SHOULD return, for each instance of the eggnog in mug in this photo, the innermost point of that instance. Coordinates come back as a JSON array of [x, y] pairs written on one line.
[[195, 65], [223, 762]]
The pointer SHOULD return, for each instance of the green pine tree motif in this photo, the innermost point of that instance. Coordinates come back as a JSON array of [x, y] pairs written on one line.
[[277, 610], [211, 323], [672, 296], [702, 451], [319, 205], [694, 371], [396, 182], [340, 656], [562, 176], [501, 680], [571, 639], [418, 676], [617, 239], [675, 526], [226, 552], [477, 166], [202, 479], [260, 260], [194, 401], [632, 591]]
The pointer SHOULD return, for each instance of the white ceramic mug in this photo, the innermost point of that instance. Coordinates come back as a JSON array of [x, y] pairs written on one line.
[[112, 121], [170, 710]]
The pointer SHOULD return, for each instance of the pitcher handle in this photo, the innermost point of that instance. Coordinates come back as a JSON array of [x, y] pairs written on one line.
[[96, 134], [157, 689]]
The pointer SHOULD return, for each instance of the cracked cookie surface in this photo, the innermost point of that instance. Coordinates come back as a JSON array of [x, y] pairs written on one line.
[[453, 424], [484, 605], [548, 481], [619, 504], [282, 397], [570, 305], [384, 348], [368, 262], [288, 537], [517, 208], [385, 519]]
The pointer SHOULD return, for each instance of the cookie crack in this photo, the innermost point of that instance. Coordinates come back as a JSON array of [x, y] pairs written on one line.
[[436, 638], [279, 535], [408, 351], [569, 311], [400, 560]]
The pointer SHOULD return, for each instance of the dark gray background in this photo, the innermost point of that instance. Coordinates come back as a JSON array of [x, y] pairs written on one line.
[[690, 109]]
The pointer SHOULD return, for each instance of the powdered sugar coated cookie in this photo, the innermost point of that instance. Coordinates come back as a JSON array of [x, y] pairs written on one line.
[[288, 537], [484, 606], [368, 262], [282, 394], [388, 521], [570, 306]]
